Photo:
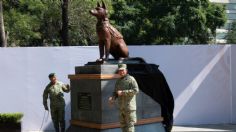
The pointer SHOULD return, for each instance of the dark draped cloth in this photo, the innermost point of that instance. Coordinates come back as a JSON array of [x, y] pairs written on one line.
[[153, 83]]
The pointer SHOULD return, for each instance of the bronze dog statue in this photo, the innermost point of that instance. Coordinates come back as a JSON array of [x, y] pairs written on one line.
[[110, 39]]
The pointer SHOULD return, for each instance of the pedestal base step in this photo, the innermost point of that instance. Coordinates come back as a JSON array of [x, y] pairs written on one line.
[[154, 127], [114, 125]]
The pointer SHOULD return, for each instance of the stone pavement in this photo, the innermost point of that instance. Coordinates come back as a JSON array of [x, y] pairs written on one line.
[[206, 128], [198, 128]]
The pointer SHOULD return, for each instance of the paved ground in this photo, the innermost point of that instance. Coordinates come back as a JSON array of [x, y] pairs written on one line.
[[205, 128], [199, 128]]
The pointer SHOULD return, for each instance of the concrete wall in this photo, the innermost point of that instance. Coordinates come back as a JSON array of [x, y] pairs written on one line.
[[199, 77], [233, 83]]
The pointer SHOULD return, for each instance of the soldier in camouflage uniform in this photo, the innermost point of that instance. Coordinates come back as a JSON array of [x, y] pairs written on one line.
[[55, 91], [126, 89]]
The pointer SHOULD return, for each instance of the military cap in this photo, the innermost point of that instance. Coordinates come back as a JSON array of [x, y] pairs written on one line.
[[122, 67], [51, 75]]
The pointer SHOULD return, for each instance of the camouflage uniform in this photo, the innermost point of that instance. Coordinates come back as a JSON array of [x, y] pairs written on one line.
[[57, 103], [127, 102]]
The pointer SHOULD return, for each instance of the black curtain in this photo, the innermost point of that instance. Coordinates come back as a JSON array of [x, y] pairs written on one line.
[[153, 83]]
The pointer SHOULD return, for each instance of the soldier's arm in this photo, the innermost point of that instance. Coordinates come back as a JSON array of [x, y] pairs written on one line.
[[133, 88], [45, 97], [66, 88]]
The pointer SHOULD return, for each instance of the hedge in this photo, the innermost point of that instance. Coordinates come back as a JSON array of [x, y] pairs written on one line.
[[10, 118]]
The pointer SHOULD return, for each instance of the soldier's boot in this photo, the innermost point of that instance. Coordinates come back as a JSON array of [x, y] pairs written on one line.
[[123, 129], [56, 126], [123, 126], [63, 125]]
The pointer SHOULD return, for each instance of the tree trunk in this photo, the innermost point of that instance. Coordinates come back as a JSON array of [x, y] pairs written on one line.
[[64, 31], [3, 41]]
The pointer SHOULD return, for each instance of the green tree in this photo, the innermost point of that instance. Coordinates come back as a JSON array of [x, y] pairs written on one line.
[[39, 22], [168, 22], [22, 20], [231, 36], [82, 25], [3, 41], [65, 21], [50, 23], [216, 17], [42, 23]]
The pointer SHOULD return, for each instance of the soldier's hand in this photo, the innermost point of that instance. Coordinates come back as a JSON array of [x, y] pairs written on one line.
[[111, 101], [120, 92]]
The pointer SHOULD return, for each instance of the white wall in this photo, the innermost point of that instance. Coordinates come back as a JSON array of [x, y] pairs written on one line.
[[23, 77], [199, 77], [233, 80]]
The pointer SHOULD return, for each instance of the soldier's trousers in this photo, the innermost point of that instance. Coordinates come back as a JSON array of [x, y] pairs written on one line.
[[58, 118], [127, 120]]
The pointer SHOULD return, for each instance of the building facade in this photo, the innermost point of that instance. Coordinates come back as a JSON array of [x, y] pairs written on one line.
[[231, 16]]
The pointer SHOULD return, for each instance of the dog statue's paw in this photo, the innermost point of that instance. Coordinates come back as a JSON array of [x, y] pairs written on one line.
[[99, 60]]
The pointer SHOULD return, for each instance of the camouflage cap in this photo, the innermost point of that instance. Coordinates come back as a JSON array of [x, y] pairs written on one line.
[[122, 66], [51, 75]]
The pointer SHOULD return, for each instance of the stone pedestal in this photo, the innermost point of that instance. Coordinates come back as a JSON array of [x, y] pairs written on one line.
[[91, 86]]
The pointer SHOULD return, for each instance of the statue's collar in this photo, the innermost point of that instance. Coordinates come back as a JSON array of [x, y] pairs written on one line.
[[103, 23], [105, 20]]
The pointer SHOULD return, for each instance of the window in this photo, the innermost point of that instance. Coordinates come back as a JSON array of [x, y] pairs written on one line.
[[231, 16], [231, 6], [227, 26], [221, 35]]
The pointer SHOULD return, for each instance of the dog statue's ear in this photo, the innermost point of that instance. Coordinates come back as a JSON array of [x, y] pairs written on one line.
[[103, 5], [98, 4]]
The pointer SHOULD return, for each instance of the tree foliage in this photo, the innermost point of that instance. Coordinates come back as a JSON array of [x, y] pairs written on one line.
[[82, 24], [50, 26], [3, 41], [168, 22], [231, 36], [39, 22], [22, 21]]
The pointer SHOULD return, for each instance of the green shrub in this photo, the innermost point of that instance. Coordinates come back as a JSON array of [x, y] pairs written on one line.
[[10, 118]]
